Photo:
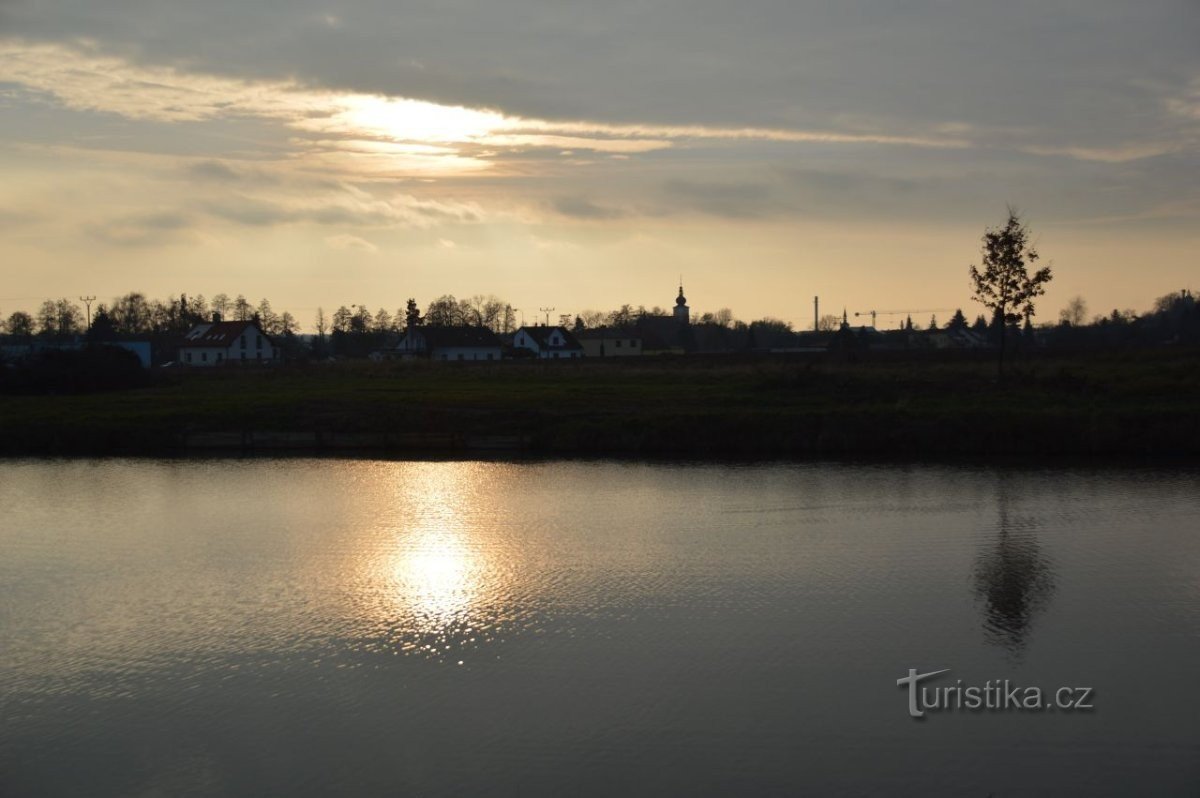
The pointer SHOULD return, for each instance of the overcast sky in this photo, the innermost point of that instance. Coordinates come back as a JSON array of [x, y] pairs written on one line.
[[582, 155]]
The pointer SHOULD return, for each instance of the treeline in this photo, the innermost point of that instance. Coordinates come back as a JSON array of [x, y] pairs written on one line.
[[134, 314], [356, 329]]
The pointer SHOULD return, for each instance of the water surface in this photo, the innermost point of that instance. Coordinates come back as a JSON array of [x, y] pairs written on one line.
[[314, 627]]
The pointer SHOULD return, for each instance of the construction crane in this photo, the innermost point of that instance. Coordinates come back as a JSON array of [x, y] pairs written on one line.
[[874, 313]]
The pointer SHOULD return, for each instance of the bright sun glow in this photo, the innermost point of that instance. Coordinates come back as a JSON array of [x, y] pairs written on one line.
[[437, 579], [435, 573], [414, 120]]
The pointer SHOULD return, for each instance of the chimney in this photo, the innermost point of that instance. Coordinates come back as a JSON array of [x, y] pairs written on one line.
[[216, 317], [816, 314]]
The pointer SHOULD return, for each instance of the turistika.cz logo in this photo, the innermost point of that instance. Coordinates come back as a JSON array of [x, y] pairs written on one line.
[[992, 696]]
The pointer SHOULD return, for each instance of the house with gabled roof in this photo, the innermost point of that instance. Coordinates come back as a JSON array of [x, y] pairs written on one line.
[[450, 344], [548, 342], [220, 342]]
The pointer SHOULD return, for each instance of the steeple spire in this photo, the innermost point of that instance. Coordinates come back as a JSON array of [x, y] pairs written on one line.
[[682, 314]]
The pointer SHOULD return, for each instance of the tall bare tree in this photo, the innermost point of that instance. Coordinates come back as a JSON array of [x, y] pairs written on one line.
[[1075, 313]]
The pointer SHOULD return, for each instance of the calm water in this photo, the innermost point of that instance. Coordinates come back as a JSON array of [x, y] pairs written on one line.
[[293, 627]]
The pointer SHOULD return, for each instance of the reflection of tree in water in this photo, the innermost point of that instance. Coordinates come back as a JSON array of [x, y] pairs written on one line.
[[1013, 578]]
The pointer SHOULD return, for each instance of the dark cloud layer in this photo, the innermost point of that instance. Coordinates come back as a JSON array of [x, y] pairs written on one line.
[[1098, 73]]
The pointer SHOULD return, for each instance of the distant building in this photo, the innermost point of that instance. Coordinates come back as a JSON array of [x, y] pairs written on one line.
[[668, 334], [450, 343], [36, 346], [548, 342], [957, 338], [220, 342], [682, 312], [609, 342]]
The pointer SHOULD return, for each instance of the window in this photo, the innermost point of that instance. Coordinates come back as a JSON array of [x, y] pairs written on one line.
[[188, 357], [243, 340], [258, 342], [204, 356], [490, 356], [618, 343], [258, 355], [220, 356]]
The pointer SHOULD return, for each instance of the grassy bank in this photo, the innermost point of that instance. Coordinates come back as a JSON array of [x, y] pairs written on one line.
[[1136, 402]]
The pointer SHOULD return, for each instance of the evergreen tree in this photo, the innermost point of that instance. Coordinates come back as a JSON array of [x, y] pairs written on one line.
[[412, 314]]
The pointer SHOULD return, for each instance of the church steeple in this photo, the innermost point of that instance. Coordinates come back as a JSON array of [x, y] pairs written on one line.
[[682, 313]]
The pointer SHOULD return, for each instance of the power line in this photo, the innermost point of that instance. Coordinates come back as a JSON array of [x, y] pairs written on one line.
[[87, 301]]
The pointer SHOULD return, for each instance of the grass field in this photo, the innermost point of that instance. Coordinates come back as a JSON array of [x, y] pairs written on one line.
[[1134, 402]]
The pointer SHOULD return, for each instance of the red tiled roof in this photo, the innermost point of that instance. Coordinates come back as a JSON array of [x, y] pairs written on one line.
[[221, 334]]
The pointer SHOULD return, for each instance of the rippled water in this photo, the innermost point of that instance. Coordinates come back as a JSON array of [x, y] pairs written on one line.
[[289, 627]]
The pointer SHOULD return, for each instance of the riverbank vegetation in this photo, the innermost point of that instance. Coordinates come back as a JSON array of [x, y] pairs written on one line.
[[913, 403]]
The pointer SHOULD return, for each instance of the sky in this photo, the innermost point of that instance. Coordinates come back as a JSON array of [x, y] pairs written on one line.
[[582, 155]]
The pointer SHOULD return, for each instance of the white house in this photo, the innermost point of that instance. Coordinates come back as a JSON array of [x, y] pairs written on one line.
[[450, 343], [548, 342], [220, 342]]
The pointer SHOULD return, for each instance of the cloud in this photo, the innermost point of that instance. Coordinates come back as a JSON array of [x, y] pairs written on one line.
[[12, 219], [362, 133], [348, 206], [580, 208], [1187, 103], [351, 242], [730, 200], [1115, 154], [213, 171], [141, 229]]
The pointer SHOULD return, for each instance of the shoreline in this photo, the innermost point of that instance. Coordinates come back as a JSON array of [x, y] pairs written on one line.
[[1125, 404]]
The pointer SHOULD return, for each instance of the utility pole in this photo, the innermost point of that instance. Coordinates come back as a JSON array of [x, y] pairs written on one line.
[[87, 301], [547, 311]]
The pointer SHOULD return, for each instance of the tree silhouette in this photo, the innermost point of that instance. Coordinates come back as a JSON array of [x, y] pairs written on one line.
[[20, 324], [412, 314], [1002, 283], [242, 310], [221, 305], [1075, 313], [829, 323], [1012, 576]]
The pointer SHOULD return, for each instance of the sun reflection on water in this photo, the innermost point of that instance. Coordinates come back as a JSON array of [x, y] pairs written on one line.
[[435, 583], [436, 578]]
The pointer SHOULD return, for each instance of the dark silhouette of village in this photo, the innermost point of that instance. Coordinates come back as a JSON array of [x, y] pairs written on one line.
[[160, 332], [190, 373]]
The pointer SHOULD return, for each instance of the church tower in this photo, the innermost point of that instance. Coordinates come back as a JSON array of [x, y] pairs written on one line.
[[682, 314]]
